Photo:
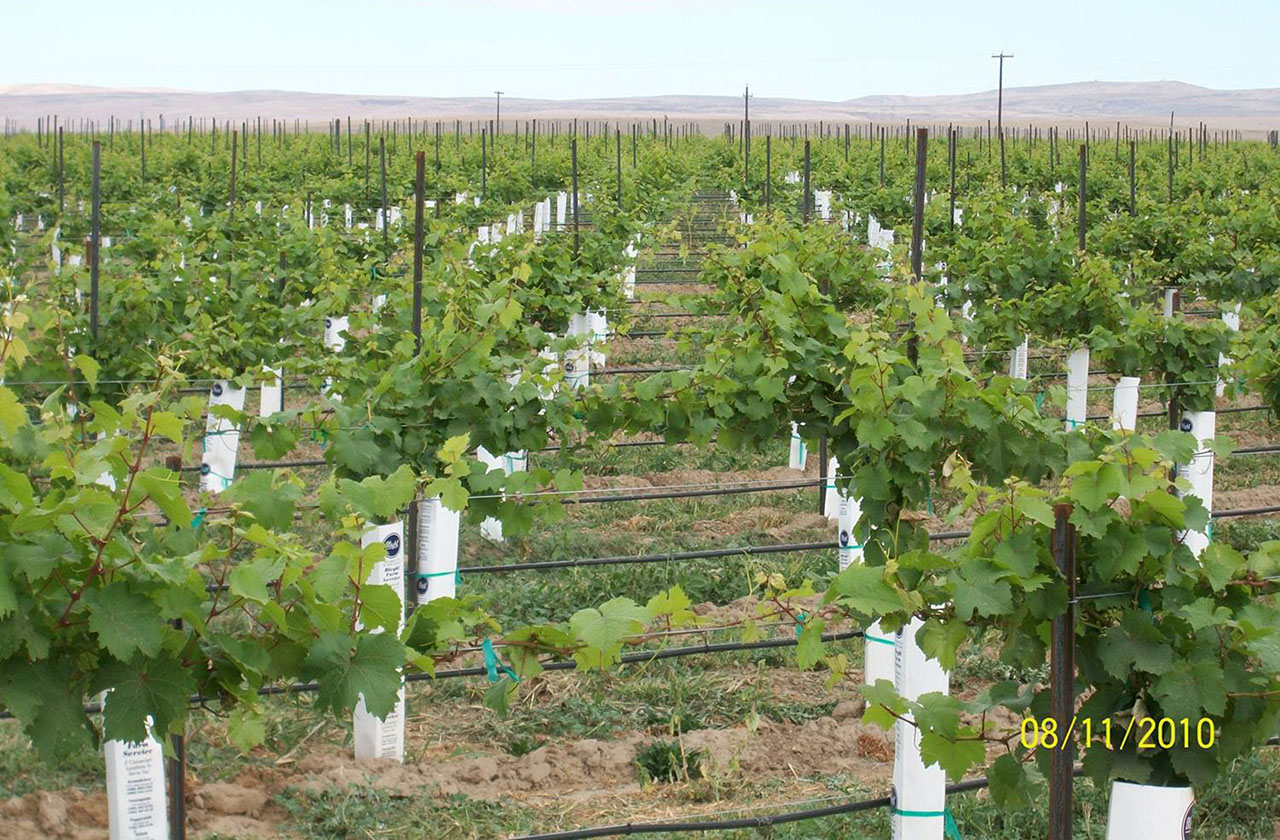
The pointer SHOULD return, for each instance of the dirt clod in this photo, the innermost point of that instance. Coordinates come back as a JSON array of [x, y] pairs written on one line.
[[228, 798], [849, 709]]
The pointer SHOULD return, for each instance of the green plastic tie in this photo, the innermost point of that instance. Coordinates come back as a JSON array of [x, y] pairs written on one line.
[[903, 813], [198, 519], [800, 623], [457, 575], [949, 827], [493, 665]]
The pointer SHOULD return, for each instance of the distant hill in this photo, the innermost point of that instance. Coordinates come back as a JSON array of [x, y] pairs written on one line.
[[1142, 103]]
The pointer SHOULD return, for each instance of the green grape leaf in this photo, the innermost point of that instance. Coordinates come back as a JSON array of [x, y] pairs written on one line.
[[942, 640], [955, 757], [883, 704], [163, 488], [348, 667], [380, 606], [1202, 613], [52, 714], [272, 442], [978, 588], [375, 498], [1012, 784], [1189, 687], [1035, 508], [246, 728], [673, 604], [499, 695], [1221, 564], [452, 492], [809, 651], [1135, 643], [16, 492], [1267, 649], [270, 498], [167, 424], [88, 367], [938, 712], [602, 630], [864, 589], [12, 415], [124, 621], [250, 578], [159, 688]]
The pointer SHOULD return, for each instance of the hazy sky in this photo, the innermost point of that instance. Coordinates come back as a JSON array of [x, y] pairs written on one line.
[[560, 49]]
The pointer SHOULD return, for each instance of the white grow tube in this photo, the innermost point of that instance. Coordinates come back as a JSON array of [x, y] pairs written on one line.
[[136, 805], [221, 439], [383, 737], [918, 798]]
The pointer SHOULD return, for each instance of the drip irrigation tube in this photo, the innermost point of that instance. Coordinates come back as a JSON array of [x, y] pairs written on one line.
[[763, 821], [623, 560], [690, 494], [750, 550]]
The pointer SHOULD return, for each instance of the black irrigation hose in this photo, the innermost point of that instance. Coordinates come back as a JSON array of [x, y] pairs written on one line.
[[641, 316], [319, 462], [1216, 514], [745, 550], [762, 821], [316, 462], [1256, 450], [641, 370], [623, 560], [1141, 414], [1253, 511], [690, 494], [697, 554], [626, 443], [1240, 409], [651, 655], [756, 822], [751, 550], [269, 465]]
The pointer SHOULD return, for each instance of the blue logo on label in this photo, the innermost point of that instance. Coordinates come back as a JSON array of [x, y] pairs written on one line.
[[204, 469], [217, 389], [393, 544], [1185, 425], [422, 586], [844, 539], [328, 322]]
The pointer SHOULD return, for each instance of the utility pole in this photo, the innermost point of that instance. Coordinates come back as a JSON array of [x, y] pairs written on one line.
[[1000, 115]]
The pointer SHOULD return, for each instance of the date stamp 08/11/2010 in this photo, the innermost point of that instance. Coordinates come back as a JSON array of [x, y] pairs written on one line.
[[1140, 732]]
